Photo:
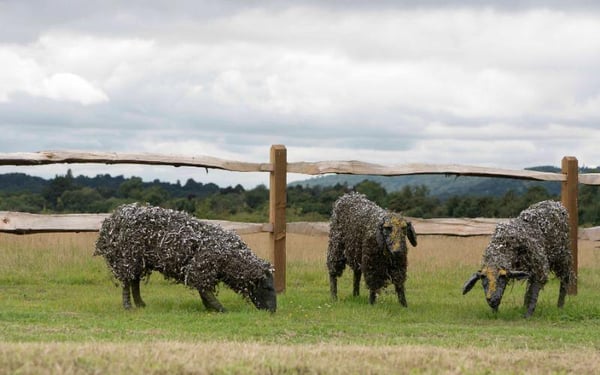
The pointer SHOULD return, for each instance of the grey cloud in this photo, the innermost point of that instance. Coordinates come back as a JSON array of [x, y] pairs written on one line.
[[24, 21], [234, 77]]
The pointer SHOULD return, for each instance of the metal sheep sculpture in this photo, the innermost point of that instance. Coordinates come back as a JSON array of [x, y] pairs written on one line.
[[529, 246], [372, 242], [136, 240]]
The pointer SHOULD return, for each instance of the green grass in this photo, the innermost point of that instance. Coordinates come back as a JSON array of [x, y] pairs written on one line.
[[64, 295], [82, 304]]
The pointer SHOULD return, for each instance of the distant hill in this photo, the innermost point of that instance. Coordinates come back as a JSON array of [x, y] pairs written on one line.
[[441, 186], [22, 183]]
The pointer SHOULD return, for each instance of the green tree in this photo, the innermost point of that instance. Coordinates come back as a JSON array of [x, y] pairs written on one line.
[[257, 197], [155, 195], [82, 200], [373, 190], [131, 188], [57, 187]]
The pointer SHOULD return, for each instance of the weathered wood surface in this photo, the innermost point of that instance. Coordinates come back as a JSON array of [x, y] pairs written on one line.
[[56, 157], [451, 227], [589, 178], [310, 168], [591, 234], [359, 167], [277, 207], [569, 193], [23, 223]]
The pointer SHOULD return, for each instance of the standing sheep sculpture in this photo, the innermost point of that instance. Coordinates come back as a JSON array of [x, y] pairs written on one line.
[[136, 240], [371, 241], [527, 247]]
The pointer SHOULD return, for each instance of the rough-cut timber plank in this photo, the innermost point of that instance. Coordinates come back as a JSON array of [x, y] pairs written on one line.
[[320, 228], [451, 227], [592, 234], [589, 178], [456, 227], [448, 227], [55, 157], [24, 223], [358, 167]]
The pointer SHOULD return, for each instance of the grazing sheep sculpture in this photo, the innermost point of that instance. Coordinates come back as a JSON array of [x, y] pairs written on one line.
[[372, 241], [527, 247], [136, 240]]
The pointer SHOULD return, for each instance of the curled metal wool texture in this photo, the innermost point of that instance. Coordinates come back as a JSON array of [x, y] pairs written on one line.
[[137, 239]]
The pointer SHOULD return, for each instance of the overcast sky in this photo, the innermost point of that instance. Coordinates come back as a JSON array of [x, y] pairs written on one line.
[[505, 84]]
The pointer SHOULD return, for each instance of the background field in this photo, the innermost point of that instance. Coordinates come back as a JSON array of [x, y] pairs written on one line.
[[60, 312]]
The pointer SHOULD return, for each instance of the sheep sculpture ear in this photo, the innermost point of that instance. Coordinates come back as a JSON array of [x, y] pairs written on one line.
[[471, 282], [411, 234]]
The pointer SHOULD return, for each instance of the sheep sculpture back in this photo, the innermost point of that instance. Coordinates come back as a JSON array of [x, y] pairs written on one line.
[[372, 242], [137, 240], [529, 247]]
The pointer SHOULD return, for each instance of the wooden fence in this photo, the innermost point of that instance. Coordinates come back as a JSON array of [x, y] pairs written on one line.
[[278, 167]]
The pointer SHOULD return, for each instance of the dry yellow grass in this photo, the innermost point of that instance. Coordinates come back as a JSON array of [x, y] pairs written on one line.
[[249, 358], [432, 252]]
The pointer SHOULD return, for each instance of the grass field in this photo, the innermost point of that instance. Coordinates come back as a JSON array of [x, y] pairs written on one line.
[[60, 312]]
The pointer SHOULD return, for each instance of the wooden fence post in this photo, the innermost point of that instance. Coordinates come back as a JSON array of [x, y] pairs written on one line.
[[277, 205], [569, 191]]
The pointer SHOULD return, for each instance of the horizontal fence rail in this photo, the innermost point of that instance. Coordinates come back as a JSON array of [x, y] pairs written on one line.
[[57, 157], [309, 168], [359, 167], [25, 223], [589, 178]]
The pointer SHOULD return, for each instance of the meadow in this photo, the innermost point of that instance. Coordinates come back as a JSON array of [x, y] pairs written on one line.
[[60, 312]]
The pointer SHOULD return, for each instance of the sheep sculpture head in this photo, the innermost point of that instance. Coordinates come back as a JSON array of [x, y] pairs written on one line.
[[494, 281], [392, 231], [263, 296]]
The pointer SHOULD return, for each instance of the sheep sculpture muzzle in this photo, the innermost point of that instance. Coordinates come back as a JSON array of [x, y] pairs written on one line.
[[264, 296], [494, 282]]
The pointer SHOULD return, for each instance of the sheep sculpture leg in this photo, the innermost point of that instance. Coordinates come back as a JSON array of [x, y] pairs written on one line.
[[372, 297], [333, 287], [531, 297], [126, 295], [211, 302], [564, 285], [135, 290], [401, 295], [129, 287], [356, 283]]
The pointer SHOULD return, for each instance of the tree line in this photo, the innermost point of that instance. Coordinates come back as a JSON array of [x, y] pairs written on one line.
[[103, 193]]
